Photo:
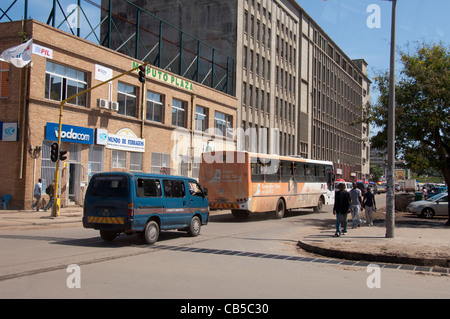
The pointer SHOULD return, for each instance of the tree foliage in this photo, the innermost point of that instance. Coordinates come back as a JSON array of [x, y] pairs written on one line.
[[422, 109]]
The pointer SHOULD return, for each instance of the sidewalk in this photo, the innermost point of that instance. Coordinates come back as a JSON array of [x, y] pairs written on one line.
[[29, 219], [417, 241]]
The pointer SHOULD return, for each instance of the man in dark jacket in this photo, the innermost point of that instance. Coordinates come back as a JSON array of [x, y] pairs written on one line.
[[50, 190], [342, 206]]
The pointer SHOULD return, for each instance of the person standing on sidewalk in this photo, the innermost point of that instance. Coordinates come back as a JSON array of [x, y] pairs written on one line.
[[342, 206], [50, 190], [369, 205], [356, 198], [37, 194]]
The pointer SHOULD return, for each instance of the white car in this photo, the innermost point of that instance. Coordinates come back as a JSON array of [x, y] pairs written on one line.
[[433, 206]]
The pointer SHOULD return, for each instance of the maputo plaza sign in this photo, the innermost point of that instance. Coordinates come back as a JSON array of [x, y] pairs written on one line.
[[167, 78]]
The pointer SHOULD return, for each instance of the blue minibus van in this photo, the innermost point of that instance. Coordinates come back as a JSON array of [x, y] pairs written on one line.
[[119, 202]]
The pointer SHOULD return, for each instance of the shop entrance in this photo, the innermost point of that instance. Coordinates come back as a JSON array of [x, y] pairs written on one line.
[[74, 178]]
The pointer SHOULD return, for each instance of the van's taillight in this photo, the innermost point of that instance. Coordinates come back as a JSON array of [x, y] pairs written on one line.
[[130, 210]]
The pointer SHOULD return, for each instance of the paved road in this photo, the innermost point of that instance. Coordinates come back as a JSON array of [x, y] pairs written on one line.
[[256, 258]]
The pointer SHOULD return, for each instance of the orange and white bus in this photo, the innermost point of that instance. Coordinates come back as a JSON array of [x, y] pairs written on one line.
[[248, 182]]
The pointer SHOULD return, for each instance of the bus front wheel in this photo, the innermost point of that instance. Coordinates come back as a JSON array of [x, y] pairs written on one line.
[[280, 209]]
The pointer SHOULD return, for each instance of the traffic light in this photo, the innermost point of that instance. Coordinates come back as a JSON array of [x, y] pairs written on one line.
[[141, 74], [54, 152], [62, 155]]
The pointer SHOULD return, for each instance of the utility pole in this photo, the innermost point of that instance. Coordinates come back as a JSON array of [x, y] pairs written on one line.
[[390, 194]]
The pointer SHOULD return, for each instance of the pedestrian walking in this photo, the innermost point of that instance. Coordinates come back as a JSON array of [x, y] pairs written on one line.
[[342, 206], [424, 193], [50, 190], [369, 205], [356, 200], [37, 194]]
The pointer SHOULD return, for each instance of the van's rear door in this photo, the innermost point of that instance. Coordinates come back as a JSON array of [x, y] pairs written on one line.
[[106, 202]]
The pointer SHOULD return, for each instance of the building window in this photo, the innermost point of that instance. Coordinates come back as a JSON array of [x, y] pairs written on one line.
[[155, 109], [178, 113], [4, 77], [119, 159], [47, 166], [62, 82], [95, 160], [136, 161], [160, 162], [223, 124], [244, 57], [200, 119], [126, 96], [246, 21]]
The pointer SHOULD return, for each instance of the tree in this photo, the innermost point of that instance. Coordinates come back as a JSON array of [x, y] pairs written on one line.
[[422, 109], [377, 172]]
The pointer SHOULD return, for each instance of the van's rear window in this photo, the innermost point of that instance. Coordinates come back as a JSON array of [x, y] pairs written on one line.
[[108, 186]]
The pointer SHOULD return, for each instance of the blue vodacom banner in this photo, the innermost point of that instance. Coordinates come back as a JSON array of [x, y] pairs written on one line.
[[70, 133]]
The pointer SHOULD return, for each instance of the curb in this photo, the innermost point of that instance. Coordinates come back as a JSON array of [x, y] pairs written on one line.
[[380, 258]]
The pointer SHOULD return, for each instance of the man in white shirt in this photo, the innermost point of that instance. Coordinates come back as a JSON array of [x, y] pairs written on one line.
[[356, 200], [37, 194]]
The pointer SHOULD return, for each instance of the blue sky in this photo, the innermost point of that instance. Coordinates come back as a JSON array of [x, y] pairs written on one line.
[[345, 21]]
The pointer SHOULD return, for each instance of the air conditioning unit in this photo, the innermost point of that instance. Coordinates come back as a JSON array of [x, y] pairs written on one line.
[[103, 104], [115, 106]]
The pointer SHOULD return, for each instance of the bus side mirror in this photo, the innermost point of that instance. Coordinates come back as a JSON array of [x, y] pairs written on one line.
[[205, 191]]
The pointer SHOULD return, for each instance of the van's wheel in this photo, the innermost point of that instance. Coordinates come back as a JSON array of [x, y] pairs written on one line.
[[280, 209], [194, 227], [108, 235], [151, 232]]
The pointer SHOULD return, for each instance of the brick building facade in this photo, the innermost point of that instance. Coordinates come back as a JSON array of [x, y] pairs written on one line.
[[112, 128]]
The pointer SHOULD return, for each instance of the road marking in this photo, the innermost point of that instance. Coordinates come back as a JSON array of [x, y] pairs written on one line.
[[328, 261]]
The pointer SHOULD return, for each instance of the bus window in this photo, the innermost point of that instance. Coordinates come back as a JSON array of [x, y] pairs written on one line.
[[310, 173], [300, 173], [320, 174], [273, 171], [286, 171], [257, 172]]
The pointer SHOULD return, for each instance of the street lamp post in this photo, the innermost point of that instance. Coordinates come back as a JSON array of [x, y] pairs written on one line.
[[390, 194]]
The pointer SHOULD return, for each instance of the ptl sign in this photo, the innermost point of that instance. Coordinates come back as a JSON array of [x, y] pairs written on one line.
[[42, 51]]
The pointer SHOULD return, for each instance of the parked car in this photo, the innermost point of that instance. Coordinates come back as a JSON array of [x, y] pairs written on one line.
[[381, 189], [348, 185], [433, 206]]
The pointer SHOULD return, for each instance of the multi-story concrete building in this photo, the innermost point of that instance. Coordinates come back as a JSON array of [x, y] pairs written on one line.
[[294, 85], [161, 126]]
